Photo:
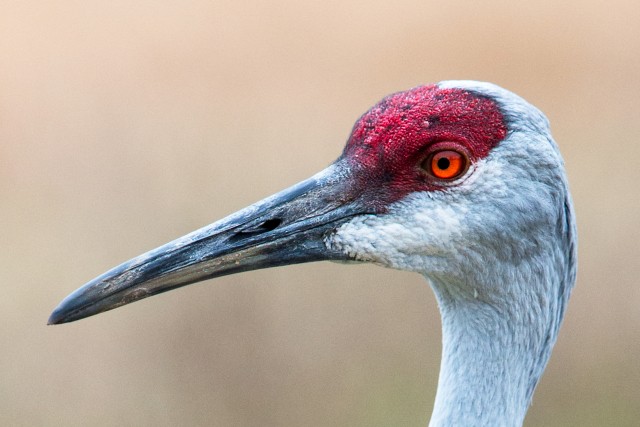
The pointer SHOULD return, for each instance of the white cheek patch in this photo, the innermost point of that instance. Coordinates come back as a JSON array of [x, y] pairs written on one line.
[[442, 221], [415, 230], [433, 231]]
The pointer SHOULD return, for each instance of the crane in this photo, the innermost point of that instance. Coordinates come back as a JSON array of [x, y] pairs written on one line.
[[460, 181]]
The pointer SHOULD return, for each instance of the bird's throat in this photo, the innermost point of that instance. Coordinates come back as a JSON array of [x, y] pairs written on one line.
[[492, 358]]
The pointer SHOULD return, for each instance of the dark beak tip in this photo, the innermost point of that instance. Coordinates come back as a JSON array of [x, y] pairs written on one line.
[[57, 317], [53, 320], [67, 311]]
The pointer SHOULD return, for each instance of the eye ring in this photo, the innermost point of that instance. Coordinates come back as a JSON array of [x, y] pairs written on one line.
[[446, 164]]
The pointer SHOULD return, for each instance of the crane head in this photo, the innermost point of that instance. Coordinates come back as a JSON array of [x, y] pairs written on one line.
[[442, 179]]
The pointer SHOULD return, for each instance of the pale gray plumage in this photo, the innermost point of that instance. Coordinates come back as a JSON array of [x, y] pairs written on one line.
[[498, 248], [500, 254]]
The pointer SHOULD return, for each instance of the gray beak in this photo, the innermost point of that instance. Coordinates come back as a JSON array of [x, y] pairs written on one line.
[[289, 227]]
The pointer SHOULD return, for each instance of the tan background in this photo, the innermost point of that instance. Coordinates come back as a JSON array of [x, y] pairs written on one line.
[[126, 124]]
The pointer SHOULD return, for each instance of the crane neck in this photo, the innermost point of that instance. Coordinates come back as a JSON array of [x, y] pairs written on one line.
[[494, 349]]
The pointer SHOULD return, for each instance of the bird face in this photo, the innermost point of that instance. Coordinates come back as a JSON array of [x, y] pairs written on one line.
[[494, 202], [421, 140], [413, 155], [424, 180]]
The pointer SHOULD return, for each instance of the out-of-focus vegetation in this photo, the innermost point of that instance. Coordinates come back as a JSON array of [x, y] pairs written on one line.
[[126, 124]]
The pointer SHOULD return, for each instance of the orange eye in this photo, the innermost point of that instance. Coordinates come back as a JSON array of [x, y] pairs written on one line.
[[445, 164]]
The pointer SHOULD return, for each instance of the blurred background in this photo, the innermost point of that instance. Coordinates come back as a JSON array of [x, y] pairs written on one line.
[[126, 124]]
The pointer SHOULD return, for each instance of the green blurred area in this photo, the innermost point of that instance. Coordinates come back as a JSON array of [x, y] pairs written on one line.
[[126, 124]]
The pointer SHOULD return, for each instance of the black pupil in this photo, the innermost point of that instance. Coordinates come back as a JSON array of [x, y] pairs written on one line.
[[443, 163]]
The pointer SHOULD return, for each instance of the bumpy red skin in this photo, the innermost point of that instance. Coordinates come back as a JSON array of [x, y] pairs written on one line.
[[389, 142]]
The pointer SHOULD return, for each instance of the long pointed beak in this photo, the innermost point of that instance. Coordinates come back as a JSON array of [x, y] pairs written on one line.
[[289, 227]]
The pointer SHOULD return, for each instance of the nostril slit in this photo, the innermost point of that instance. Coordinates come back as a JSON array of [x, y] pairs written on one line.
[[264, 227], [270, 224]]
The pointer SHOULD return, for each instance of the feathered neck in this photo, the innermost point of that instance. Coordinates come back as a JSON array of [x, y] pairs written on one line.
[[497, 344]]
